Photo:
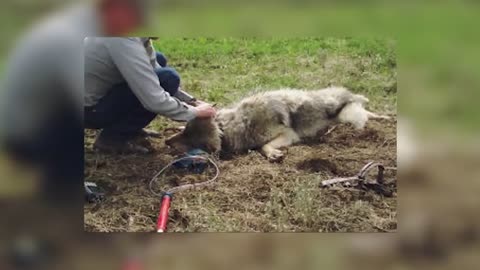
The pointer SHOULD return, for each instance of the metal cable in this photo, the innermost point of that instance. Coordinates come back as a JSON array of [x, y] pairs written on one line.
[[186, 186]]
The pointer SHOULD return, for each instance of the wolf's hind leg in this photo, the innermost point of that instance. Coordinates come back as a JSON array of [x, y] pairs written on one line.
[[286, 138], [372, 115], [357, 115]]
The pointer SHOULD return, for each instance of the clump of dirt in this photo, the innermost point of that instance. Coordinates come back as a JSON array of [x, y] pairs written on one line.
[[318, 165], [251, 193]]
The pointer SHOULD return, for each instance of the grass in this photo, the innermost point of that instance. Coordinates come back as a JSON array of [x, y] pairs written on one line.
[[222, 70], [253, 194]]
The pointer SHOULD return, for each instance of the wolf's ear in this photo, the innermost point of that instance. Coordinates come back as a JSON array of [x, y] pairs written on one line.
[[200, 123]]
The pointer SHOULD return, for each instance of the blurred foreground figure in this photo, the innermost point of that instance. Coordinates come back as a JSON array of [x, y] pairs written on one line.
[[42, 117], [41, 125]]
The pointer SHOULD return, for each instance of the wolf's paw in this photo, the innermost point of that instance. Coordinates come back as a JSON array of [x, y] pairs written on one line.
[[275, 155]]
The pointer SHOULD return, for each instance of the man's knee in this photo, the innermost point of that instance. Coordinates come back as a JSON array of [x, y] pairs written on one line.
[[169, 79], [161, 59]]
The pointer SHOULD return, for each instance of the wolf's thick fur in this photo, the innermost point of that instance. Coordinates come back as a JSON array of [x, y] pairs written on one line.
[[274, 119]]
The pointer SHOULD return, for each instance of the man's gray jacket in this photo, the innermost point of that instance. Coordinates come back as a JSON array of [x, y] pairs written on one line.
[[110, 61]]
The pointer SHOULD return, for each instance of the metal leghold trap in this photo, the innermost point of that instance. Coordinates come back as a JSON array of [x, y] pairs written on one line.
[[378, 184]]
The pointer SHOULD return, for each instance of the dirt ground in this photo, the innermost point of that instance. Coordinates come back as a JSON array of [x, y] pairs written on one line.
[[252, 194]]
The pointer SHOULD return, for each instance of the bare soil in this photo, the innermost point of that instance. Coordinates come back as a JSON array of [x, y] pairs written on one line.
[[252, 194]]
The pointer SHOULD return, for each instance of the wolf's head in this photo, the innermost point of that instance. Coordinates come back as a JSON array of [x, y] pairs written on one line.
[[199, 133]]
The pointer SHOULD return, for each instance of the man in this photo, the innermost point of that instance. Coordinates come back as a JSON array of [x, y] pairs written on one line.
[[126, 87], [41, 121], [43, 94]]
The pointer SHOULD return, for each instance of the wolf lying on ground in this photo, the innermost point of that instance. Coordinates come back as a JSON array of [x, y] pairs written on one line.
[[272, 120]]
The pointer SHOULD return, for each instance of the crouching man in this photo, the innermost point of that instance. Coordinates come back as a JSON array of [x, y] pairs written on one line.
[[127, 84]]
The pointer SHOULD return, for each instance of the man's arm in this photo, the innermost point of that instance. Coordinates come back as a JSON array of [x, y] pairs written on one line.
[[129, 56], [152, 53]]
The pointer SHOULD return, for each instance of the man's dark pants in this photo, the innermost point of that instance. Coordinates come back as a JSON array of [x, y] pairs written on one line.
[[120, 114]]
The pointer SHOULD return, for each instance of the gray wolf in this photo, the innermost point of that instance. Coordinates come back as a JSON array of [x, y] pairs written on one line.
[[272, 120]]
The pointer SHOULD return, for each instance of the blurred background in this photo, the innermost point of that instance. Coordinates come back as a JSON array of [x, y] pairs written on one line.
[[438, 148]]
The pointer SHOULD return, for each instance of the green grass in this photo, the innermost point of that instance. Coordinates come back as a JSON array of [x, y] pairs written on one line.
[[223, 70]]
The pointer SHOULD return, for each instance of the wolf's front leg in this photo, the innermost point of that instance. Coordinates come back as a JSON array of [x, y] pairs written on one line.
[[272, 150]]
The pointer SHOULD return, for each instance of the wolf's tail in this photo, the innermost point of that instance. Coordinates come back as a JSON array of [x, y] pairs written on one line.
[[355, 113]]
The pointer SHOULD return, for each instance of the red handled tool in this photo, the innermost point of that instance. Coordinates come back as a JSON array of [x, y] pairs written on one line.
[[133, 264], [163, 216], [194, 163]]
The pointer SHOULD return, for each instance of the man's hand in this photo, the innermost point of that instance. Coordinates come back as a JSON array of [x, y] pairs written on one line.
[[205, 111]]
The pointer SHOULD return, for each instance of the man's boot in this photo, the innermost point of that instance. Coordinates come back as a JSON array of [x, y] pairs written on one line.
[[113, 146]]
